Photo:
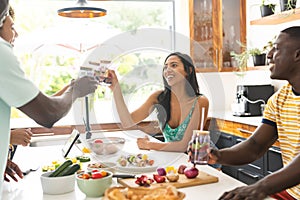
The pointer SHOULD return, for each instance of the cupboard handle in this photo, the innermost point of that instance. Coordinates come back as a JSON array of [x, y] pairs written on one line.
[[244, 131], [217, 59], [228, 137], [240, 140], [254, 176], [275, 150]]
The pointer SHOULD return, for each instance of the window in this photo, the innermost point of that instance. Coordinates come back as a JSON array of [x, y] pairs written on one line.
[[52, 48]]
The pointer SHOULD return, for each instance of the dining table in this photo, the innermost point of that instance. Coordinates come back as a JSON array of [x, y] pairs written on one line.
[[33, 158]]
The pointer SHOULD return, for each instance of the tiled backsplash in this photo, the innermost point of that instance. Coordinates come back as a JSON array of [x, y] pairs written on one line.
[[220, 87]]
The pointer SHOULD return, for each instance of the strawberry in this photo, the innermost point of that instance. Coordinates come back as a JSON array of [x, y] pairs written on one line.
[[158, 178]]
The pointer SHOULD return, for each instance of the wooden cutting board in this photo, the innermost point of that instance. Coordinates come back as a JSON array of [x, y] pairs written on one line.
[[202, 178]]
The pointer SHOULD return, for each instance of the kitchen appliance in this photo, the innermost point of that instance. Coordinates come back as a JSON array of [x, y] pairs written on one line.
[[251, 99]]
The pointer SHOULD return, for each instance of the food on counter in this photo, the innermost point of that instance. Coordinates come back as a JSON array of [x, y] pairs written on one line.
[[139, 160], [98, 141], [181, 169], [171, 170], [97, 165], [86, 150], [106, 145], [172, 177], [161, 171], [58, 170], [161, 193], [158, 178], [191, 172], [83, 158], [144, 180], [71, 169], [95, 174], [67, 168]]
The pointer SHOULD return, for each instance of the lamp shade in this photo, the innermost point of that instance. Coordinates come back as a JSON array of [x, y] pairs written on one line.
[[81, 11]]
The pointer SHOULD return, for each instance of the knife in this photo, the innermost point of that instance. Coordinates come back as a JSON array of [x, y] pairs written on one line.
[[124, 176]]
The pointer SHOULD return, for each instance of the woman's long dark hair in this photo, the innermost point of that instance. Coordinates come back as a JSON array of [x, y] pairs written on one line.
[[192, 88]]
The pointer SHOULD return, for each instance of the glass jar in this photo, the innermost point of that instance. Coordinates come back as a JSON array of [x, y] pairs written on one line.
[[199, 145]]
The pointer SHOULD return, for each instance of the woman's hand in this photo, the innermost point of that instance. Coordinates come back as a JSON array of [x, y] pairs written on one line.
[[12, 169], [113, 78], [143, 143], [20, 136]]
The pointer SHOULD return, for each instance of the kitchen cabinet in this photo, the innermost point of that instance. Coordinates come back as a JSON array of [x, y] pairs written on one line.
[[273, 160], [223, 140], [215, 26], [226, 133]]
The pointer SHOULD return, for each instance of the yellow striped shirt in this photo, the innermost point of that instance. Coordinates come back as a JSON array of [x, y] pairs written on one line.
[[283, 108]]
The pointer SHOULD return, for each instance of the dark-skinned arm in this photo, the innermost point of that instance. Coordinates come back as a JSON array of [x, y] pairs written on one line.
[[47, 110], [283, 179]]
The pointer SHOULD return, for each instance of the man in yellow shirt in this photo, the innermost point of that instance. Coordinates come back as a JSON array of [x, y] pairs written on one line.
[[281, 121]]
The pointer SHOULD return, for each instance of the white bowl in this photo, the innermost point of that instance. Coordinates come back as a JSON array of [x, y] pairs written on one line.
[[57, 185]]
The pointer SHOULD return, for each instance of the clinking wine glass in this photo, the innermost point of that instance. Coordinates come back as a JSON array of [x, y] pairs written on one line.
[[101, 73]]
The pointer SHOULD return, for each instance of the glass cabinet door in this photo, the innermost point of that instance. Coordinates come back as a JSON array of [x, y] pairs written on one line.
[[215, 28], [202, 34]]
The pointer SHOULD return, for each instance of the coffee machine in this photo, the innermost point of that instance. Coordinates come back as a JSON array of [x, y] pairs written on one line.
[[251, 99]]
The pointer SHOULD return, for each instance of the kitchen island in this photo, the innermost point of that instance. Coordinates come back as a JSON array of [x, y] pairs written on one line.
[[31, 157]]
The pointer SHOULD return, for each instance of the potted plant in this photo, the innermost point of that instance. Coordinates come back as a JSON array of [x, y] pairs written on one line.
[[241, 60], [259, 56], [287, 5], [266, 9]]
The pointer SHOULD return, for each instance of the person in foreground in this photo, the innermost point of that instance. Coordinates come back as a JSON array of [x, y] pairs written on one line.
[[280, 122], [178, 106], [17, 91]]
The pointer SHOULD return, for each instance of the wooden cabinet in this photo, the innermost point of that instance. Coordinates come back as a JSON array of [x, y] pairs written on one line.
[[215, 26]]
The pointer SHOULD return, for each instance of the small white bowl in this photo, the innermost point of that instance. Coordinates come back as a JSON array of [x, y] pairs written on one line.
[[57, 185]]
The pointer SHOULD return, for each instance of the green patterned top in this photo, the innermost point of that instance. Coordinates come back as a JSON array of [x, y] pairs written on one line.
[[176, 134]]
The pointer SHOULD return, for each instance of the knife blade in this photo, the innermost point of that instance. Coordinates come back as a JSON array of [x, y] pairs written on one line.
[[124, 176]]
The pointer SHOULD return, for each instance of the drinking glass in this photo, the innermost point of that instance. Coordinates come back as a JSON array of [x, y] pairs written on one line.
[[102, 74], [199, 145]]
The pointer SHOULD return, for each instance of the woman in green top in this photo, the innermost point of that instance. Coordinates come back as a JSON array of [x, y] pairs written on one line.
[[178, 106]]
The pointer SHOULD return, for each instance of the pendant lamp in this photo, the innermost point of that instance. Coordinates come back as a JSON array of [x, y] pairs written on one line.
[[81, 11]]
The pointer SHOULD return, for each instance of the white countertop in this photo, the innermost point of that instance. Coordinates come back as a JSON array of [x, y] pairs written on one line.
[[227, 115], [30, 186]]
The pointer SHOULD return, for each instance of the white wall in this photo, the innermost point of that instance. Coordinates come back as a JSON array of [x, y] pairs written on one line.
[[220, 87]]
